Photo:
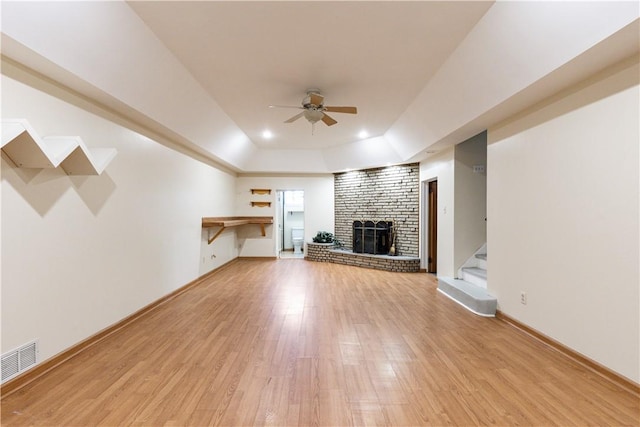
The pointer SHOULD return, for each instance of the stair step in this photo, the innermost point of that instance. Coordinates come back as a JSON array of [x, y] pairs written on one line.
[[481, 256], [475, 275], [475, 271], [470, 296]]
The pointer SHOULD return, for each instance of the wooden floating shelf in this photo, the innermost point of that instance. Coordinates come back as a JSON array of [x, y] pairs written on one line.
[[260, 191], [234, 221], [261, 204]]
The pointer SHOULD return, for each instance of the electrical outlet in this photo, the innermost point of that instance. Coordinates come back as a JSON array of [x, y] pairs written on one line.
[[523, 298]]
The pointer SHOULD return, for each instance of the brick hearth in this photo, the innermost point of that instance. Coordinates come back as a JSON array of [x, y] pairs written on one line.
[[327, 252]]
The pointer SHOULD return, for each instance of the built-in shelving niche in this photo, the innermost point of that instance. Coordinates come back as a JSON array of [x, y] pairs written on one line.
[[260, 191], [261, 204], [28, 150]]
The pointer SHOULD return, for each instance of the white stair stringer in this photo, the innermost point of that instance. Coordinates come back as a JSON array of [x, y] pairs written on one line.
[[26, 149], [478, 259]]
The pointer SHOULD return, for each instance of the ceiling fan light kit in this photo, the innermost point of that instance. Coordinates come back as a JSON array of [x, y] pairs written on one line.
[[314, 110], [313, 115]]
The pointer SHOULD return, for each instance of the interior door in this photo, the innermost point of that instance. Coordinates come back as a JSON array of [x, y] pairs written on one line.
[[432, 246]]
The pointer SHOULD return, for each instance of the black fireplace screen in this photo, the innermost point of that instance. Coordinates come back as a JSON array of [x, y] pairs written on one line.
[[372, 237]]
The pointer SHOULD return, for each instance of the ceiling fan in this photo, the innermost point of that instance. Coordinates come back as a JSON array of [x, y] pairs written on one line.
[[314, 109]]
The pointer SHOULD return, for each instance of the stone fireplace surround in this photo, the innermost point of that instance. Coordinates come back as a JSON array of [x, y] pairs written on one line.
[[380, 194]]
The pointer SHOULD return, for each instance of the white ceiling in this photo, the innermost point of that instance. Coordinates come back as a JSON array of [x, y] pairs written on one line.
[[425, 75], [374, 55]]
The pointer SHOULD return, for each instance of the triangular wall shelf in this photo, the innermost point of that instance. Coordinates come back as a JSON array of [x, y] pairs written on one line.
[[28, 150]]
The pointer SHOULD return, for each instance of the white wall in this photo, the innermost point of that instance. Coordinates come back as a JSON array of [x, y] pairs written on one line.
[[470, 229], [318, 209], [563, 216], [81, 253], [440, 167]]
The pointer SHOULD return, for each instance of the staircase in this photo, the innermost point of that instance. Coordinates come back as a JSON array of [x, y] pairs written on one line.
[[470, 289]]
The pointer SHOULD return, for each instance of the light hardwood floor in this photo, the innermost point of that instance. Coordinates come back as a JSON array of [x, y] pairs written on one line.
[[294, 342]]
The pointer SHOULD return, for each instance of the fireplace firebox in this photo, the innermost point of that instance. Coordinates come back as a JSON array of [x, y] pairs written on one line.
[[372, 237]]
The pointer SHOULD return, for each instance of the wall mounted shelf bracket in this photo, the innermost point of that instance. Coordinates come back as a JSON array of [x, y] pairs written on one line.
[[260, 191], [261, 204], [234, 221]]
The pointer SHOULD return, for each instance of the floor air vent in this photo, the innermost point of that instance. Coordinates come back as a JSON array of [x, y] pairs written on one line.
[[21, 359]]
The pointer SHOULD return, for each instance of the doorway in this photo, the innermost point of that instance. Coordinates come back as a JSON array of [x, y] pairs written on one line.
[[432, 227], [290, 224]]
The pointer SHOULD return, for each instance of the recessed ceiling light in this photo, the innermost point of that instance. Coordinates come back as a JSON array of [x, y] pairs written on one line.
[[363, 134], [266, 134]]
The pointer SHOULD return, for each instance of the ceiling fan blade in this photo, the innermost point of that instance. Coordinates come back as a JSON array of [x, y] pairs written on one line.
[[294, 118], [328, 120], [285, 106], [315, 99], [349, 110]]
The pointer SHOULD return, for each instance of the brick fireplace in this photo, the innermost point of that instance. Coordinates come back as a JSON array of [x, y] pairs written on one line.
[[370, 205], [379, 195]]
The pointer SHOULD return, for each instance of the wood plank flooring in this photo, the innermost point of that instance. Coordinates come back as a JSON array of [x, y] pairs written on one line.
[[294, 342]]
